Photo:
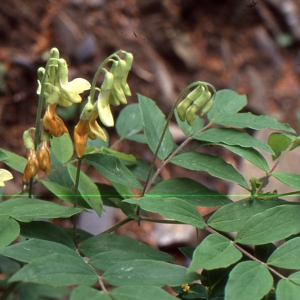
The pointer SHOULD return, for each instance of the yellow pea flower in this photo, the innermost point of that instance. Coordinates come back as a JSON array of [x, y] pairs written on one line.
[[4, 176]]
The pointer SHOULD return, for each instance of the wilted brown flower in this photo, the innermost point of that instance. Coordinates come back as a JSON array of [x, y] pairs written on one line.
[[32, 166], [52, 123]]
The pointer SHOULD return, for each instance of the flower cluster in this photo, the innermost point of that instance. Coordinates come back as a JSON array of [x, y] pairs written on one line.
[[55, 90], [199, 98], [113, 91]]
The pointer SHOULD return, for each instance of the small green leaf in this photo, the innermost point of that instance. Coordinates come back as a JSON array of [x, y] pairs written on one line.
[[57, 270], [13, 160], [186, 128], [88, 189], [189, 190], [139, 138], [28, 209], [46, 231], [86, 292], [154, 122], [248, 120], [129, 121], [64, 193], [233, 137], [292, 180], [112, 242], [59, 174], [172, 208], [126, 158], [104, 260], [286, 289], [279, 142], [30, 250], [213, 165], [9, 230], [138, 292], [272, 225], [233, 216], [149, 273], [227, 102], [112, 168], [62, 147], [295, 277], [214, 252], [248, 280], [97, 143], [249, 154], [287, 255]]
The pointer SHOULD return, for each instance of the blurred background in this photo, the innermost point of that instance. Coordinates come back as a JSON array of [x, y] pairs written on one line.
[[252, 47]]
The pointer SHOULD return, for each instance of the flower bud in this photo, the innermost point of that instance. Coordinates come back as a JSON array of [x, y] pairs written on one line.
[[54, 53], [207, 107]]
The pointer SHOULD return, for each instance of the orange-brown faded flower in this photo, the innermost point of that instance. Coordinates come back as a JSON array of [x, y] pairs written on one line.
[[52, 123], [95, 129], [32, 166], [81, 134], [87, 127], [43, 156]]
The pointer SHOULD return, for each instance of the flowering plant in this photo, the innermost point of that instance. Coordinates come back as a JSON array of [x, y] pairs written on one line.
[[40, 259]]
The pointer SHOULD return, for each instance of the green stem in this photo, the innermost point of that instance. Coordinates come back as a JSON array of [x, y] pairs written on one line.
[[116, 226], [165, 129], [180, 147], [75, 201], [97, 74]]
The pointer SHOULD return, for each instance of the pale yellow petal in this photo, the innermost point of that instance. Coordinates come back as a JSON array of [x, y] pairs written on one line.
[[4, 176]]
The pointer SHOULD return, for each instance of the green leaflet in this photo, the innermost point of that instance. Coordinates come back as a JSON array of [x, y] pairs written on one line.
[[57, 270], [272, 225], [112, 242], [13, 160], [292, 180], [112, 168], [171, 208], [227, 102], [279, 142], [233, 137], [86, 292], [30, 250], [286, 289], [248, 280], [28, 209], [248, 120], [148, 273], [46, 231], [154, 122], [213, 165], [9, 230], [287, 255], [214, 252], [189, 190], [233, 216], [62, 147], [88, 189], [138, 292], [129, 121]]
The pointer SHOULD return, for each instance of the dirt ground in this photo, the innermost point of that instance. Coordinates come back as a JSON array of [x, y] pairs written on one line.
[[252, 47]]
